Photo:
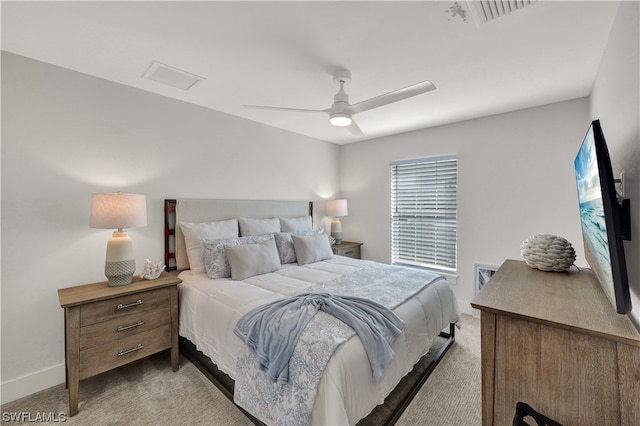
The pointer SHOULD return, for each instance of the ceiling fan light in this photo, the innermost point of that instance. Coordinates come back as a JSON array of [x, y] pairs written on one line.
[[340, 119]]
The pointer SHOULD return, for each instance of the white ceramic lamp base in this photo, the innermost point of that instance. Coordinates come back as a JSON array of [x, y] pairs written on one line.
[[336, 230], [120, 273], [120, 264]]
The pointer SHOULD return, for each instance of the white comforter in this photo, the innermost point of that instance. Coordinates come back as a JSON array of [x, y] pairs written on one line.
[[209, 309]]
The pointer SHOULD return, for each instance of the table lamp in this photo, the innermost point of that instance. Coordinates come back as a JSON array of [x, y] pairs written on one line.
[[119, 211], [336, 208]]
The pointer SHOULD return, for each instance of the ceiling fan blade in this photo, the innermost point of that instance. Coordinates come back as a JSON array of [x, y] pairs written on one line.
[[355, 129], [283, 108], [396, 95]]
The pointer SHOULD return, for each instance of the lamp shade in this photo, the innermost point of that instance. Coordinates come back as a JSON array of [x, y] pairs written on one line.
[[337, 208], [118, 211]]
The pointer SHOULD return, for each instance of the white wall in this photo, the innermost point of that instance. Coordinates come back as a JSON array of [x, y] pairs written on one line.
[[515, 179], [66, 135], [615, 100]]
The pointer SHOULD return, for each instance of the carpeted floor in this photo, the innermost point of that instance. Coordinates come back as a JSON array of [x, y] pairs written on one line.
[[147, 392], [451, 396]]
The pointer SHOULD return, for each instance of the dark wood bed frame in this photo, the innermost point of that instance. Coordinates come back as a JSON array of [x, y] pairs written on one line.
[[386, 414]]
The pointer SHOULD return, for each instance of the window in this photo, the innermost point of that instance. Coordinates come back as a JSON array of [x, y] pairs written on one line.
[[423, 212]]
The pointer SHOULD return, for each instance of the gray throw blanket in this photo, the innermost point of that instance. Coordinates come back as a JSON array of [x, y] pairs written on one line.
[[272, 330]]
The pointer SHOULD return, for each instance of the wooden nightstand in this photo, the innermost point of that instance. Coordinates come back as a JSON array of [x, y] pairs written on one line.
[[106, 327], [347, 248]]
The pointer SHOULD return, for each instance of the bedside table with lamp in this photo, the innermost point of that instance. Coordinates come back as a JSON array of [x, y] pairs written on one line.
[[112, 323], [338, 209]]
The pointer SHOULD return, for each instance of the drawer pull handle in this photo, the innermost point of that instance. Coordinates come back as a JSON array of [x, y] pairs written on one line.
[[349, 252], [130, 305], [128, 351], [126, 327]]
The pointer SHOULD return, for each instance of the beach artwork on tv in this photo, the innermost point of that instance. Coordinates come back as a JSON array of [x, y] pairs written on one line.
[[594, 229]]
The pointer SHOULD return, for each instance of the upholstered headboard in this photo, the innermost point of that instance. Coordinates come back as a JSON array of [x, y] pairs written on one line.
[[208, 210]]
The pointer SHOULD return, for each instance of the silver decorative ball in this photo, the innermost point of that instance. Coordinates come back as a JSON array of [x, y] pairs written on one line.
[[548, 252]]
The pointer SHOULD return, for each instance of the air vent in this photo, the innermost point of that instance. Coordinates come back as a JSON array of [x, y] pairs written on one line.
[[484, 11], [171, 76]]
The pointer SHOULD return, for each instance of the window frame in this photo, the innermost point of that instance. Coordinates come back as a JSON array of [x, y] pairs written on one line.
[[441, 220]]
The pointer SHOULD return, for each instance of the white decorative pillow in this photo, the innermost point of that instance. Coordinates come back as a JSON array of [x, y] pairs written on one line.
[[258, 226], [194, 233], [216, 262], [296, 224], [311, 248], [253, 259], [284, 243]]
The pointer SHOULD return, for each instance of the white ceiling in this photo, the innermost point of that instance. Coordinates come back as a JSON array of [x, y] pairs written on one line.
[[284, 54]]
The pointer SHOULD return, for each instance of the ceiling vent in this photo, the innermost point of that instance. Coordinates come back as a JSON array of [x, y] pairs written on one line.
[[171, 76], [484, 11]]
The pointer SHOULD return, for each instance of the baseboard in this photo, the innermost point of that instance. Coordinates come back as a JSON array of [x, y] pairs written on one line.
[[31, 383]]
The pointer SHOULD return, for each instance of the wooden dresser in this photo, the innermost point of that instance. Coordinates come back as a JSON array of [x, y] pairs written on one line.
[[554, 341], [106, 327]]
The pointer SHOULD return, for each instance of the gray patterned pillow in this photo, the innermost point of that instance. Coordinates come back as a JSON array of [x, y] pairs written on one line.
[[216, 262], [284, 242]]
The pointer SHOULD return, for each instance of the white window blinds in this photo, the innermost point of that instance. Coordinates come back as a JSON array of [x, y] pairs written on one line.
[[423, 212]]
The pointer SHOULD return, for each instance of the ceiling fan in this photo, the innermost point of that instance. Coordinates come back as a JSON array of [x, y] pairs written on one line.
[[341, 111]]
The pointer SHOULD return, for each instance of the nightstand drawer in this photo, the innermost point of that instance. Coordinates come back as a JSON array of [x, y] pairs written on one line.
[[123, 326], [122, 351], [349, 252], [124, 305]]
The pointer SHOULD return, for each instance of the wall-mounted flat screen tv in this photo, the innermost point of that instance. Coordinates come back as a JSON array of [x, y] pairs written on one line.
[[601, 215]]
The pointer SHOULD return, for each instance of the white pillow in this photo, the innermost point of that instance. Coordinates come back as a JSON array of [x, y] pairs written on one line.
[[194, 233], [258, 226], [253, 259], [311, 248], [296, 224], [216, 262]]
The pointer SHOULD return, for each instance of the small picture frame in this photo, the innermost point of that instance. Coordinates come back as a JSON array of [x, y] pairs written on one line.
[[483, 274]]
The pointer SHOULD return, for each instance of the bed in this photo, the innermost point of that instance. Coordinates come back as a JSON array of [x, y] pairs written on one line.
[[344, 391]]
